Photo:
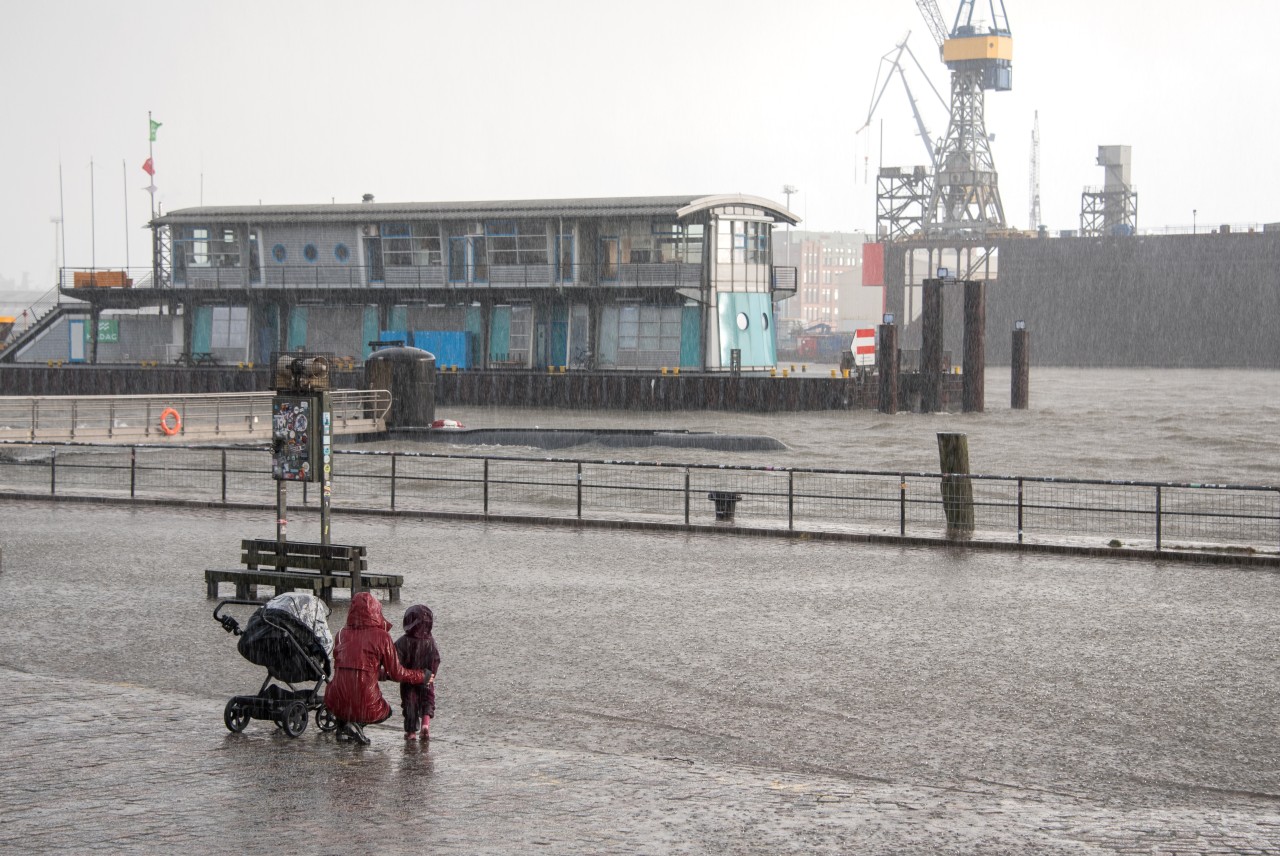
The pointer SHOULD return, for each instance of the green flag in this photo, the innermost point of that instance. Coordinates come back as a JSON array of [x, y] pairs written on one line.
[[155, 126]]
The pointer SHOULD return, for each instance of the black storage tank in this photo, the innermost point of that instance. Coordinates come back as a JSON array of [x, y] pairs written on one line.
[[410, 375]]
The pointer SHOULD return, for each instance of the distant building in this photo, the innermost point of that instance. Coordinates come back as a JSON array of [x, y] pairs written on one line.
[[628, 283], [829, 286]]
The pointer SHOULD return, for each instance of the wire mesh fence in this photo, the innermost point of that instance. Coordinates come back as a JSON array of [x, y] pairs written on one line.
[[1162, 516]]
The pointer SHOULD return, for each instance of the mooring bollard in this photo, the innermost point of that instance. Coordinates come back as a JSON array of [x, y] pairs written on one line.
[[725, 501], [957, 488]]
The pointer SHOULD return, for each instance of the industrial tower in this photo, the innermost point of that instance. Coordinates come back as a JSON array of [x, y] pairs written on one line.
[[966, 193]]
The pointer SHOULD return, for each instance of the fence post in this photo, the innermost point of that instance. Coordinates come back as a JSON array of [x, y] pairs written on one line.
[[486, 487], [686, 496], [902, 506], [53, 470], [1159, 521], [393, 481], [35, 415], [111, 419], [791, 500], [133, 471], [224, 476], [1019, 511], [579, 490], [73, 419]]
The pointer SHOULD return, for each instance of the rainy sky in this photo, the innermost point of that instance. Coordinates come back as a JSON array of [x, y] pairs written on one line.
[[318, 101]]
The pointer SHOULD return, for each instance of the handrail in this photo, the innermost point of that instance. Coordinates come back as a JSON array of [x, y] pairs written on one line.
[[130, 418], [1112, 516]]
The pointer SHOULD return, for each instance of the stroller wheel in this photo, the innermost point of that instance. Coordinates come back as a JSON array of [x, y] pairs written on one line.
[[325, 720], [294, 720], [236, 716]]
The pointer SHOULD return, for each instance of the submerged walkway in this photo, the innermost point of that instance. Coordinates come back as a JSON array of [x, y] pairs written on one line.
[[646, 693]]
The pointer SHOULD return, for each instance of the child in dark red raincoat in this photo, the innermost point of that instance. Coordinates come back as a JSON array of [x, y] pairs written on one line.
[[417, 649], [362, 652]]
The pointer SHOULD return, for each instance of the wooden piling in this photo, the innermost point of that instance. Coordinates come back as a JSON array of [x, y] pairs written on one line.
[[890, 361], [973, 395], [1020, 385], [957, 493], [931, 346]]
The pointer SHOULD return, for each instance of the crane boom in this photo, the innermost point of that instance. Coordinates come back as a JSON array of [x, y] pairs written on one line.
[[933, 20], [894, 60]]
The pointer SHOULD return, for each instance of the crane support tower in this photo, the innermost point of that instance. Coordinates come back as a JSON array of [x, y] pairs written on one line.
[[966, 191]]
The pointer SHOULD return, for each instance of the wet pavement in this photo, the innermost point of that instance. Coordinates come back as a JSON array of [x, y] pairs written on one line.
[[621, 692]]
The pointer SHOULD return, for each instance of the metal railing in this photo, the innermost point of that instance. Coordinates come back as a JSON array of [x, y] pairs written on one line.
[[1166, 517], [138, 418]]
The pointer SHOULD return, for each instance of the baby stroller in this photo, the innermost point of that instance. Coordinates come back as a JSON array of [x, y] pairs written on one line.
[[290, 637]]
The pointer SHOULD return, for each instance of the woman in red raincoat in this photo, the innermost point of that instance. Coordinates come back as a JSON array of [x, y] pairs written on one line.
[[362, 653]]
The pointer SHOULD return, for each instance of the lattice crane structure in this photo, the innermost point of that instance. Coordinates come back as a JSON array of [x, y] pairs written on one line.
[[966, 194]]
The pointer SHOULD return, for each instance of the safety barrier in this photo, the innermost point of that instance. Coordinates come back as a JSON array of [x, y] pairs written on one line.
[[1167, 518]]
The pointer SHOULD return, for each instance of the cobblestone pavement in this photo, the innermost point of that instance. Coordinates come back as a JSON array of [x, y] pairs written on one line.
[[602, 693]]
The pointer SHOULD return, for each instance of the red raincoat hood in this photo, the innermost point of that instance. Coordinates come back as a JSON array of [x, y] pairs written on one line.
[[366, 611]]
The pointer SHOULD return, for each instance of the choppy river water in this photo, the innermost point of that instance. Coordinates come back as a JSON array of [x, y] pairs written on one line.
[[1211, 426]]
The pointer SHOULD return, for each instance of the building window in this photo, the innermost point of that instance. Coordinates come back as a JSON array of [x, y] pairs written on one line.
[[411, 245], [204, 248], [341, 253], [678, 242], [512, 242], [310, 253], [230, 327]]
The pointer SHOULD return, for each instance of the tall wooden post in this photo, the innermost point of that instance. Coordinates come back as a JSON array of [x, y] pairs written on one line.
[[931, 346], [975, 346], [1020, 385], [890, 360], [957, 493]]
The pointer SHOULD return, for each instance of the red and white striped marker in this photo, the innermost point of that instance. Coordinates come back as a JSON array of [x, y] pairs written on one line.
[[864, 347]]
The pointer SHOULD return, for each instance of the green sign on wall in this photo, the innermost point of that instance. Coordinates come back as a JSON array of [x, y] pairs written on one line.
[[108, 331]]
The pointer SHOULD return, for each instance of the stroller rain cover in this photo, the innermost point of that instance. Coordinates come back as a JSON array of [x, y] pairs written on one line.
[[290, 637]]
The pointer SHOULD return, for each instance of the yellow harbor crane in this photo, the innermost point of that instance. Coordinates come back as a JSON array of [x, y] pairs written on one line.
[[966, 193]]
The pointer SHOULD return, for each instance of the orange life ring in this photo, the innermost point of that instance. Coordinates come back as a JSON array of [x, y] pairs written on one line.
[[170, 421]]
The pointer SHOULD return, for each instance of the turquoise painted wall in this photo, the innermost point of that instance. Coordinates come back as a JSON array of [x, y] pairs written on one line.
[[297, 328], [500, 333], [756, 341], [202, 330], [369, 328], [691, 338]]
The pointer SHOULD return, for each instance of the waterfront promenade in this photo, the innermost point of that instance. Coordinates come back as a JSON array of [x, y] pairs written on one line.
[[620, 692]]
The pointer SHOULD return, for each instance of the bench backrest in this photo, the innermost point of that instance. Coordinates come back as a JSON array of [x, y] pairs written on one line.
[[304, 555]]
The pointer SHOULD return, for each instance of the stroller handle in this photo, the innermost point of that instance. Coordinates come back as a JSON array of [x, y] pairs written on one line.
[[229, 623]]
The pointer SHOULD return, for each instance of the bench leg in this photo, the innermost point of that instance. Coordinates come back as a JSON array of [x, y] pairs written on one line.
[[393, 593], [246, 591], [212, 586], [326, 594]]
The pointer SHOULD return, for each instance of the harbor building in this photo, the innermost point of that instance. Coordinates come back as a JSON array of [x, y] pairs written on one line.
[[608, 283]]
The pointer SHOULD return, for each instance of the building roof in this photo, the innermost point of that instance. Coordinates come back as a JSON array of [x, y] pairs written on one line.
[[377, 212]]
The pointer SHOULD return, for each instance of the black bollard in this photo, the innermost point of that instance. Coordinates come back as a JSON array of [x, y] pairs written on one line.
[[890, 360], [1020, 384], [931, 346], [975, 346]]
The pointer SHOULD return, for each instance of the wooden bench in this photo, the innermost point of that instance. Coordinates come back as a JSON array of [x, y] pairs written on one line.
[[300, 565]]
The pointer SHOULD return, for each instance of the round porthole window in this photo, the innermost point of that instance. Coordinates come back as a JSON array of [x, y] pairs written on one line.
[[309, 253], [764, 319], [341, 253], [743, 321], [278, 253]]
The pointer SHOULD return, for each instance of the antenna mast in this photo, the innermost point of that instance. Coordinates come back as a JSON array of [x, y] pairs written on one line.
[[1034, 218]]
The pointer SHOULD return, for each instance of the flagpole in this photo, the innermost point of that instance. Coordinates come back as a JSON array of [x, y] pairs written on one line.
[[62, 215], [93, 227], [151, 145], [124, 175]]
